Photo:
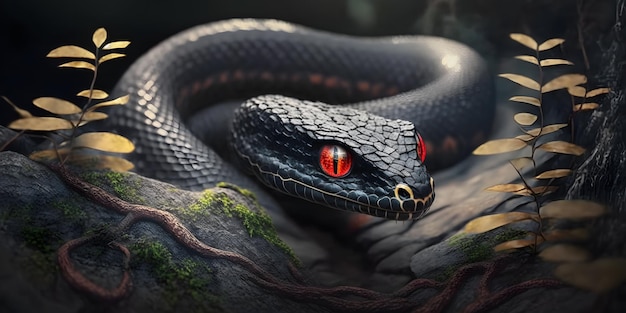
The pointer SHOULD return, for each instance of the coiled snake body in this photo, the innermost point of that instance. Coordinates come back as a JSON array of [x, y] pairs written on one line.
[[364, 156]]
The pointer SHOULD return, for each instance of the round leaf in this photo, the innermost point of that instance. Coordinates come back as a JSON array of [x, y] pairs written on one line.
[[545, 130], [104, 141], [488, 222], [565, 253], [563, 147], [564, 81], [71, 52], [500, 146], [550, 43], [599, 276], [528, 58], [557, 173], [522, 80], [99, 36], [116, 45], [586, 106], [117, 101], [49, 154], [520, 163], [577, 91], [525, 99], [525, 118], [550, 62], [94, 116], [572, 209], [599, 91], [56, 106], [110, 56], [525, 40], [93, 94], [79, 64], [41, 124], [506, 188]]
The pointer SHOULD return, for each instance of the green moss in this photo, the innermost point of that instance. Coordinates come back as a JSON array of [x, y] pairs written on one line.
[[474, 247], [70, 210], [38, 238], [185, 283], [123, 187], [245, 192], [257, 222], [198, 209]]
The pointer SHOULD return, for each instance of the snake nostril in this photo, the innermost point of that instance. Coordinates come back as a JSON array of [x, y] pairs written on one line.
[[403, 192]]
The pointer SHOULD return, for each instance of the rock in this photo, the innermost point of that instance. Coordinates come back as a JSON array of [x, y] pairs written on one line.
[[40, 213]]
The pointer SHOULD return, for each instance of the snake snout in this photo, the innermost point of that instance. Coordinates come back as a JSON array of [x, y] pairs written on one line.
[[417, 198]]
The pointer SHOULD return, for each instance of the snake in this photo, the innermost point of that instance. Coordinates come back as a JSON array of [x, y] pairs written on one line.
[[330, 120]]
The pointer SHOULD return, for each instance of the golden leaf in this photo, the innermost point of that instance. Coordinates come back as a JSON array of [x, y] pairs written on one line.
[[572, 209], [545, 130], [506, 188], [577, 91], [514, 244], [598, 91], [586, 106], [539, 190], [500, 146], [56, 105], [525, 118], [71, 52], [550, 43], [520, 163], [563, 147], [525, 137], [104, 141], [488, 222], [566, 234], [117, 101], [100, 162], [21, 112], [94, 116], [525, 99], [49, 154], [550, 62], [565, 253], [79, 64], [525, 40], [93, 94], [557, 173], [599, 276], [564, 81], [110, 56], [41, 123], [116, 45], [522, 80], [99, 36], [528, 58]]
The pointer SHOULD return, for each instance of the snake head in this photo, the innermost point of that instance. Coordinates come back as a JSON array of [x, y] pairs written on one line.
[[334, 156]]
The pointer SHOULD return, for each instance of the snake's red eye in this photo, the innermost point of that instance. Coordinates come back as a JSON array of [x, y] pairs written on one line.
[[421, 148], [335, 161]]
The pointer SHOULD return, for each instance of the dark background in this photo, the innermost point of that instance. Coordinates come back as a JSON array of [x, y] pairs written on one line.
[[30, 29]]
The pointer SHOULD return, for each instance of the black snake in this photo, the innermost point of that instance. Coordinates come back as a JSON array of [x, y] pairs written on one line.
[[363, 156]]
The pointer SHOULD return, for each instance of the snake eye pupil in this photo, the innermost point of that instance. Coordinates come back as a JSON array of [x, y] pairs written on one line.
[[421, 148], [335, 161]]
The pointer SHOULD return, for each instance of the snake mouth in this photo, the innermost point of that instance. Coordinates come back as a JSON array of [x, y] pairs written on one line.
[[411, 204]]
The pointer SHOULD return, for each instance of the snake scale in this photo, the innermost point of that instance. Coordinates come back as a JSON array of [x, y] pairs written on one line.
[[365, 155]]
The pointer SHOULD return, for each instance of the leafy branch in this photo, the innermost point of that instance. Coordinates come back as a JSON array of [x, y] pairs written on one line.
[[68, 117], [547, 239]]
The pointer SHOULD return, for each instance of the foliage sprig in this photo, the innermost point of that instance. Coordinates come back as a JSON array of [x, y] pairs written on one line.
[[69, 117], [551, 243]]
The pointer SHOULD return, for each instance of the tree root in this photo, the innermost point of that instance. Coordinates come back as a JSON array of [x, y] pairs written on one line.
[[337, 299]]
